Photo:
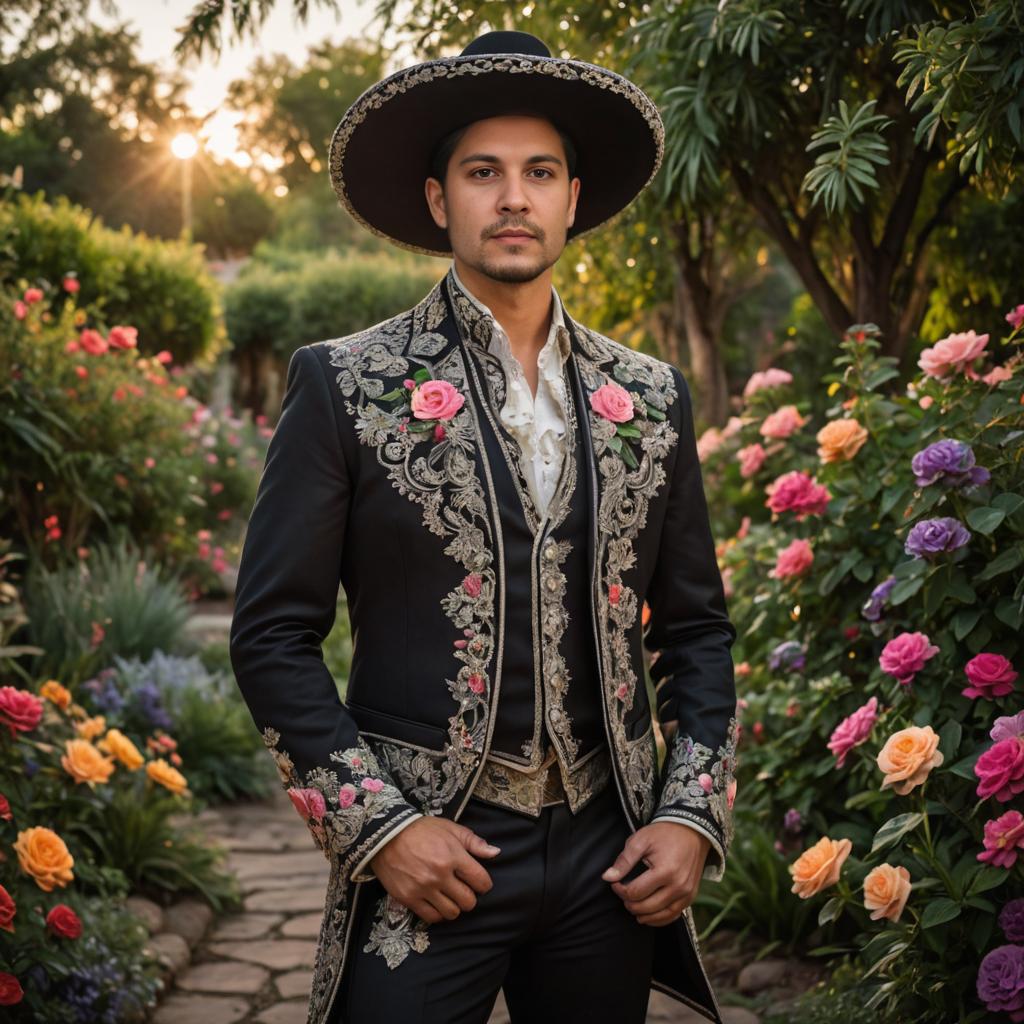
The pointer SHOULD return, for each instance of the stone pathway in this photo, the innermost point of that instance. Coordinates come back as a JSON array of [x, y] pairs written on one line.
[[254, 967]]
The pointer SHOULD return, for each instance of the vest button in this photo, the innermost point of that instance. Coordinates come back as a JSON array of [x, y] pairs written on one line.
[[552, 583], [550, 552]]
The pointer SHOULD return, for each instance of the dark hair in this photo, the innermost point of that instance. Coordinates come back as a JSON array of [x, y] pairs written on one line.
[[442, 152]]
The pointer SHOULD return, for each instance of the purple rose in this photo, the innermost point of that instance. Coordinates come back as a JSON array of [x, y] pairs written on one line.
[[789, 655], [1011, 920], [935, 536], [1001, 980], [1008, 725], [872, 609], [793, 821], [950, 463]]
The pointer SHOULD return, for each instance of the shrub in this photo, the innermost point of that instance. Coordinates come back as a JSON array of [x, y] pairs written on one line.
[[95, 439], [118, 600], [880, 654], [161, 287]]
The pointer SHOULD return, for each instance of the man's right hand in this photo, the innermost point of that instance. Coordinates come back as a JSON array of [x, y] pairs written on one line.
[[430, 867]]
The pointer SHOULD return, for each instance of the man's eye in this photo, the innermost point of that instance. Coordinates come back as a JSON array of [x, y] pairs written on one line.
[[479, 169], [543, 170]]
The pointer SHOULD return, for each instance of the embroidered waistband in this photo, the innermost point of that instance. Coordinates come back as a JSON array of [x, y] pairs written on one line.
[[527, 792]]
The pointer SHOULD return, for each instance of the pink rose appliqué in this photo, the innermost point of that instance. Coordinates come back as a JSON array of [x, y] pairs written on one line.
[[613, 402], [309, 803], [436, 400], [346, 796]]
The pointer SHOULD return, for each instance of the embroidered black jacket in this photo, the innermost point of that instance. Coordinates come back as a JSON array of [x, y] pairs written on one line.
[[404, 514]]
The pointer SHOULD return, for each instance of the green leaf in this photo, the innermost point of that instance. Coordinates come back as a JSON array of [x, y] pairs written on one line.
[[985, 519], [1009, 503], [904, 590], [1005, 561], [894, 828], [965, 767], [965, 620], [949, 739], [1009, 611], [939, 911], [830, 911], [985, 879], [883, 373]]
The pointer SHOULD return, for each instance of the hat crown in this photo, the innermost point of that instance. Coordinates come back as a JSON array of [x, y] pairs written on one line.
[[492, 43]]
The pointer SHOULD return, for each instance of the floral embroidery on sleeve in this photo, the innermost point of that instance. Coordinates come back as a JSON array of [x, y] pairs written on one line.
[[700, 784]]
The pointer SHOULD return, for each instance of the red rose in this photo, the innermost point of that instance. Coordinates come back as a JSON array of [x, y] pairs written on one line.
[[5, 809], [20, 710], [10, 989], [63, 922], [8, 908]]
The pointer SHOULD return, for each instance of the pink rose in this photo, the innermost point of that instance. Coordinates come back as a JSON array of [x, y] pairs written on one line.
[[782, 422], [309, 803], [706, 782], [853, 730], [792, 561], [123, 337], [798, 493], [751, 459], [770, 378], [1003, 837], [439, 432], [622, 690], [1001, 770], [955, 352], [20, 710], [436, 400], [614, 593], [373, 785], [613, 402], [71, 285], [20, 310], [1015, 318], [476, 682], [709, 442], [997, 375], [93, 342], [346, 795], [904, 656], [33, 295], [472, 583], [990, 675]]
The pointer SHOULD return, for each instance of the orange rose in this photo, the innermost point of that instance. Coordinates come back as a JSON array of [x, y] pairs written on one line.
[[56, 694], [84, 763], [91, 727], [116, 743], [43, 856], [160, 771], [818, 867], [908, 756], [840, 440], [886, 889]]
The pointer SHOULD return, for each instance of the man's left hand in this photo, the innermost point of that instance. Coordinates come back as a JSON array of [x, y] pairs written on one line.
[[674, 855]]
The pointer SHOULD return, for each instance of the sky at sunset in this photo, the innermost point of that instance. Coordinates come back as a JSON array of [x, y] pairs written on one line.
[[157, 23]]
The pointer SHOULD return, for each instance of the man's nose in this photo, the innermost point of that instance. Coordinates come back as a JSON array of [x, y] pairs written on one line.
[[513, 197]]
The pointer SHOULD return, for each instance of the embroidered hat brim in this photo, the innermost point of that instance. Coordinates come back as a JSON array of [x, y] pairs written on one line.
[[380, 152]]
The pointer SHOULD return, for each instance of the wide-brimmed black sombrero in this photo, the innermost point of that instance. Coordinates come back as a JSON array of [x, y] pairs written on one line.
[[380, 152]]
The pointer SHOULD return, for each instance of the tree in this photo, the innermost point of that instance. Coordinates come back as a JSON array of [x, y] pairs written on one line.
[[751, 90]]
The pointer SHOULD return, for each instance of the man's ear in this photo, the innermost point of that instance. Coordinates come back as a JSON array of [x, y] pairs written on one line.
[[434, 191], [574, 195]]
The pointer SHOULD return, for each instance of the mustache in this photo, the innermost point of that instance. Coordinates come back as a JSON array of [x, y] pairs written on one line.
[[513, 225]]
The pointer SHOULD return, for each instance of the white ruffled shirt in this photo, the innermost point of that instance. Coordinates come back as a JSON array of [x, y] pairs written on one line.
[[538, 422]]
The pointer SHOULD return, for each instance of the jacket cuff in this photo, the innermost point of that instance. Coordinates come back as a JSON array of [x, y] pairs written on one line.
[[699, 789], [361, 872], [714, 864], [350, 806]]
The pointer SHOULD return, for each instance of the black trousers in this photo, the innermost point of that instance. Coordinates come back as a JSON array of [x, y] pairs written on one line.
[[551, 933]]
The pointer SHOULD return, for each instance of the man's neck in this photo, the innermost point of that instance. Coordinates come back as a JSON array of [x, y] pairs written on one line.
[[524, 309]]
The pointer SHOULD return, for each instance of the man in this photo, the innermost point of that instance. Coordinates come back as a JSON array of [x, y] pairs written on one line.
[[499, 490]]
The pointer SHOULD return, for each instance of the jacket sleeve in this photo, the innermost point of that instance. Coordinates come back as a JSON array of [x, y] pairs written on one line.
[[690, 631], [285, 602]]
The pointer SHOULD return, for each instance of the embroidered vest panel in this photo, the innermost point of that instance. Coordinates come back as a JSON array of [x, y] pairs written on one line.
[[549, 692]]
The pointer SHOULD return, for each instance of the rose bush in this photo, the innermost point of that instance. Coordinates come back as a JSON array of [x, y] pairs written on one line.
[[873, 568]]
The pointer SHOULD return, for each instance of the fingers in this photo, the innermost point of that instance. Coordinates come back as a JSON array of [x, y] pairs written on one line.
[[671, 913], [459, 893], [644, 885], [474, 844], [632, 851]]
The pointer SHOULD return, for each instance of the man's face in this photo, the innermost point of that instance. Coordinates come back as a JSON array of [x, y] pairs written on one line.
[[506, 172]]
